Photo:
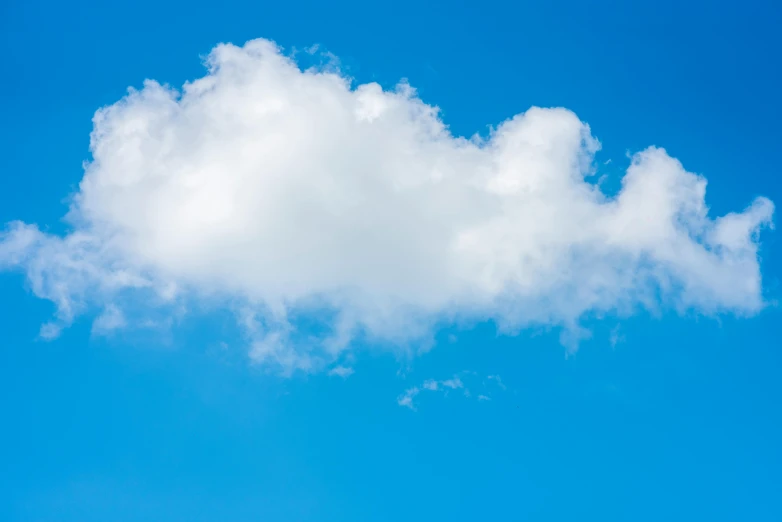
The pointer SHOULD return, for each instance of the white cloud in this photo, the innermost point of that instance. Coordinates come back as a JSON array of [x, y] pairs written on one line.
[[291, 194], [49, 331], [341, 371], [445, 386], [406, 399], [111, 319], [431, 385], [616, 337], [497, 379], [453, 383]]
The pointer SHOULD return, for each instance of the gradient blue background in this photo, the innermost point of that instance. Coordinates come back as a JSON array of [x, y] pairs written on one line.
[[681, 421]]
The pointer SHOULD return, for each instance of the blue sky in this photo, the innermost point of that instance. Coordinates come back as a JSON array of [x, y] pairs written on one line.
[[609, 400]]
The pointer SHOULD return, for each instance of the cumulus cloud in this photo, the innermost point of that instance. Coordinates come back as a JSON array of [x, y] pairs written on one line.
[[290, 194]]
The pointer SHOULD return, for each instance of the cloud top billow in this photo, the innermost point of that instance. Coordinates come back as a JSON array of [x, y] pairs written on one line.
[[288, 192]]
